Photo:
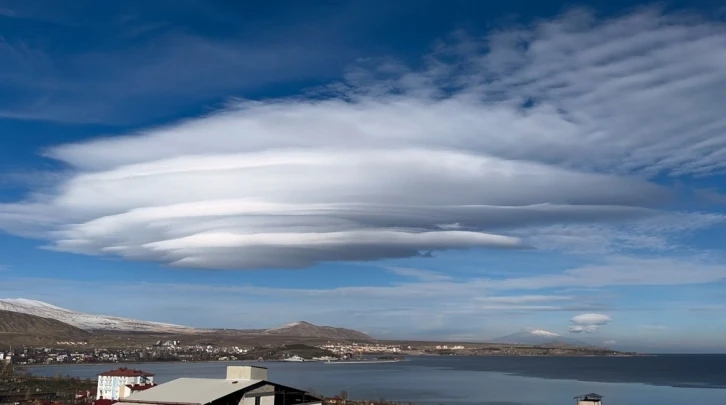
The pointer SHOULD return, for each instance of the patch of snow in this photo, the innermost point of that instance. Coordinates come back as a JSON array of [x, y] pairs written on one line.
[[86, 321], [32, 303], [286, 326], [540, 332]]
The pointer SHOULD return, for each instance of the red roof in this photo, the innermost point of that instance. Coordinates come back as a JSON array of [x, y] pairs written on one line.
[[126, 372], [104, 402]]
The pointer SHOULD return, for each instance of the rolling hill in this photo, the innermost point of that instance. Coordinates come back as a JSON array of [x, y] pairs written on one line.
[[86, 321], [15, 323], [89, 322], [305, 329]]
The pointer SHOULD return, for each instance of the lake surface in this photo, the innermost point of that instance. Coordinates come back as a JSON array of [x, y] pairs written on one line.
[[664, 380]]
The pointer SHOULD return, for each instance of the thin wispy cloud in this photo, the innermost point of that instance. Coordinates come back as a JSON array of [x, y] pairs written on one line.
[[525, 299], [420, 308], [420, 274], [96, 85], [255, 306]]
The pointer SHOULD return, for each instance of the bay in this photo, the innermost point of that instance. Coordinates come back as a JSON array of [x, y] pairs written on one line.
[[664, 379]]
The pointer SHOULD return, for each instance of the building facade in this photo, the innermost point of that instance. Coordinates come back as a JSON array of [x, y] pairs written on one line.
[[115, 384]]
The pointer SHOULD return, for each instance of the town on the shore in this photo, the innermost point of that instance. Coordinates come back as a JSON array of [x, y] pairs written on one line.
[[174, 350]]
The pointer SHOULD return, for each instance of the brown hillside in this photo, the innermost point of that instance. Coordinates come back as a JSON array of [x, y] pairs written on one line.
[[308, 330], [14, 323]]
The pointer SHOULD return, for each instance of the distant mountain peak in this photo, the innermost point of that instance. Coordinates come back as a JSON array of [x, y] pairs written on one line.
[[307, 329], [537, 337]]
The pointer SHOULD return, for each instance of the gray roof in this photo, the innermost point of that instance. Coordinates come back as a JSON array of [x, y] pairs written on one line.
[[190, 391]]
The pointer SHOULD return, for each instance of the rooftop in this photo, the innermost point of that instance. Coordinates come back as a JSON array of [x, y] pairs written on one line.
[[190, 391], [126, 372]]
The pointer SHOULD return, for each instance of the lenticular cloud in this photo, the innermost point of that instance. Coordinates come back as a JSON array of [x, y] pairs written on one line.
[[588, 323], [293, 207], [374, 168]]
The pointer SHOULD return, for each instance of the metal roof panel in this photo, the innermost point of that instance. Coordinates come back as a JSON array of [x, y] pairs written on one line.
[[190, 391]]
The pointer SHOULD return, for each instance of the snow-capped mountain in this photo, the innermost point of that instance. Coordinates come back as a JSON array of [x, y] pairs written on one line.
[[538, 337], [86, 321]]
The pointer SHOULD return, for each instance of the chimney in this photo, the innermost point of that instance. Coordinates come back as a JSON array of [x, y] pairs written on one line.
[[246, 373]]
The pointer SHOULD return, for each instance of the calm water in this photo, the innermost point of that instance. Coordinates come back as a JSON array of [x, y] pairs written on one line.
[[664, 380]]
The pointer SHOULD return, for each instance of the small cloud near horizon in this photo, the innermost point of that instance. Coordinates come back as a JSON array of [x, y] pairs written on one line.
[[588, 323]]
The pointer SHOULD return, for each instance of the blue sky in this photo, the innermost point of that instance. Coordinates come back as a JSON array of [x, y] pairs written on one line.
[[443, 170]]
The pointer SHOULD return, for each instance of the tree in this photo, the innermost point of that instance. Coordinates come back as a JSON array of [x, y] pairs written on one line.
[[7, 370], [343, 394]]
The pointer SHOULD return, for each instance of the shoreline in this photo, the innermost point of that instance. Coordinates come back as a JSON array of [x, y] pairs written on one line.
[[517, 373], [126, 363]]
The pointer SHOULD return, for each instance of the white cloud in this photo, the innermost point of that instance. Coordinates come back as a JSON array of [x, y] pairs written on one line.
[[524, 299], [588, 323], [420, 274], [591, 319], [624, 270], [450, 226], [582, 328], [662, 232], [397, 166], [293, 208]]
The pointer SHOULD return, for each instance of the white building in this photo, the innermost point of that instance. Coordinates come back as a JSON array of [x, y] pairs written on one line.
[[244, 385], [119, 383]]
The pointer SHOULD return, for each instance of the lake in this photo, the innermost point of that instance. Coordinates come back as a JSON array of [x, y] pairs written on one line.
[[664, 380]]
